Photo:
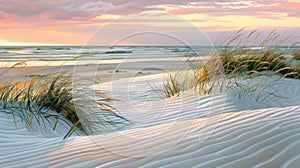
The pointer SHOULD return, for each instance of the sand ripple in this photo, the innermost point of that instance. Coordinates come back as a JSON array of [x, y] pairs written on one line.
[[184, 131]]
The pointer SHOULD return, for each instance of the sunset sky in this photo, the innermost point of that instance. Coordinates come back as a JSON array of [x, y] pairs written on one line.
[[72, 22]]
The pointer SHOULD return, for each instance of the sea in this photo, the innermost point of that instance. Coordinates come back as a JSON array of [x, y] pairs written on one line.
[[60, 55]]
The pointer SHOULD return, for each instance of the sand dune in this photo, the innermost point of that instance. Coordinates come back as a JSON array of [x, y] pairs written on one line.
[[266, 138], [184, 131], [141, 104]]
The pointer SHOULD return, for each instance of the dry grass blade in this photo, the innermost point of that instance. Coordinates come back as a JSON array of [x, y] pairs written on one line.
[[32, 98], [21, 63], [241, 63]]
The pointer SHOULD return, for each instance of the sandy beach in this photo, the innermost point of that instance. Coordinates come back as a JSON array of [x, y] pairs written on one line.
[[188, 130], [129, 84]]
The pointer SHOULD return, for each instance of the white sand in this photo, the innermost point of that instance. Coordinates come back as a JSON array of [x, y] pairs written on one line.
[[184, 131]]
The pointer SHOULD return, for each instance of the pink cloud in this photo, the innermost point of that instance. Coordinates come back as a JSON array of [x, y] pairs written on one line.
[[79, 16], [81, 10], [264, 11]]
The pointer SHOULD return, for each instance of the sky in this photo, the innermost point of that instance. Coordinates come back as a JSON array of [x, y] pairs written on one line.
[[104, 22]]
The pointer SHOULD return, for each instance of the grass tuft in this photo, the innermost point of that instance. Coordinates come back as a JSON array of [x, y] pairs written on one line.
[[296, 55], [240, 59], [172, 86], [34, 99]]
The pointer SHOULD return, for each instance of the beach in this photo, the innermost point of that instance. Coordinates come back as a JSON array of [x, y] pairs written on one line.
[[171, 84], [185, 130]]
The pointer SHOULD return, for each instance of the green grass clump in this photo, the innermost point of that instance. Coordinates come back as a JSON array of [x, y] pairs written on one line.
[[237, 59], [296, 55], [57, 96], [172, 86], [235, 63], [34, 99]]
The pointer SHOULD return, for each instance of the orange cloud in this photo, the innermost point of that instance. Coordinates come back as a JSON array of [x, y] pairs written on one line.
[[72, 21]]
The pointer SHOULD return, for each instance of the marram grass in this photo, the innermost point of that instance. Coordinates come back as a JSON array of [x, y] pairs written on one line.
[[35, 99], [296, 55], [235, 63]]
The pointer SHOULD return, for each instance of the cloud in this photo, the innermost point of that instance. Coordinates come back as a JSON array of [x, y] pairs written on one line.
[[262, 9], [82, 10], [294, 14], [82, 17], [25, 7]]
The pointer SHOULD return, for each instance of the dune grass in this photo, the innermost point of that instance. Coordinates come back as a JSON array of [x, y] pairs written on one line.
[[172, 86], [235, 63], [36, 99], [296, 55], [239, 59]]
